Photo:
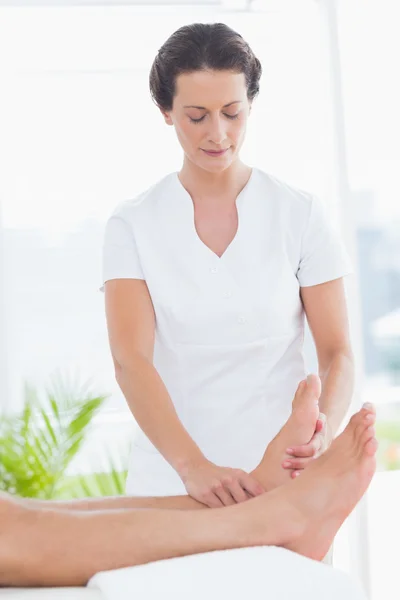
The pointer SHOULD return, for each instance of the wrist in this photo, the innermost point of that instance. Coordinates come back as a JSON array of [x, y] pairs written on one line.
[[184, 465], [328, 435]]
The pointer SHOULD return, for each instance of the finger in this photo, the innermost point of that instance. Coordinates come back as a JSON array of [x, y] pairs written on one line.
[[309, 449], [297, 463], [302, 451], [220, 492], [253, 487], [237, 492], [211, 500], [225, 496], [295, 474], [323, 419]]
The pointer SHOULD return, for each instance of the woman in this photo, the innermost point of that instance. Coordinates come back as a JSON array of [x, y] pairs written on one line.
[[207, 277]]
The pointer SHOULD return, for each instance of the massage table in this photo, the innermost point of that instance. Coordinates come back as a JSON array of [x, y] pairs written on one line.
[[262, 573]]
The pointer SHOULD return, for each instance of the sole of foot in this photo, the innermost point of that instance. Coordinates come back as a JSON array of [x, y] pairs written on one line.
[[331, 487], [298, 430]]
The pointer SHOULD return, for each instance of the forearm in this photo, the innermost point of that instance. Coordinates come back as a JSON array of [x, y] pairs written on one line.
[[153, 410], [184, 502], [337, 380]]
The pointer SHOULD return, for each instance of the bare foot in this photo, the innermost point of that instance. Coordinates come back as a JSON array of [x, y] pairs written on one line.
[[328, 490], [298, 430]]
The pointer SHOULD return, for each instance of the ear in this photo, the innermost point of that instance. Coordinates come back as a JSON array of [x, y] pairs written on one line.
[[167, 117]]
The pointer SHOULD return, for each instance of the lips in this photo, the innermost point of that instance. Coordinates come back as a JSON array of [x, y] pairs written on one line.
[[215, 152]]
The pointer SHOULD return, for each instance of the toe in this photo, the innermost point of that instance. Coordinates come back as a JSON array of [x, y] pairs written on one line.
[[371, 447], [314, 384], [307, 388], [367, 435], [367, 420], [363, 418], [301, 388], [357, 418], [369, 406]]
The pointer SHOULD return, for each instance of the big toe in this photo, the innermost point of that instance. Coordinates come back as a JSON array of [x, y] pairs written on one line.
[[369, 407], [360, 426], [314, 383], [309, 391], [365, 417]]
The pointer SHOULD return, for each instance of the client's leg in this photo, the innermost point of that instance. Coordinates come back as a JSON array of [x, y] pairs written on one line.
[[298, 430], [54, 547]]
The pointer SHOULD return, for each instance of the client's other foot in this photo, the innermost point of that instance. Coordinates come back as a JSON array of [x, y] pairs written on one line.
[[298, 430], [327, 491]]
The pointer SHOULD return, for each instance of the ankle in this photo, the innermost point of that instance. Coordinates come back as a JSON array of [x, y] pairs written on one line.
[[260, 474], [276, 517]]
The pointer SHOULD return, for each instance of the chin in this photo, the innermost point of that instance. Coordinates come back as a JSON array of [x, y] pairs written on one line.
[[219, 165]]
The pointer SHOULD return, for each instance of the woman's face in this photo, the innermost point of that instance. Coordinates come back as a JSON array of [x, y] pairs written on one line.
[[209, 113]]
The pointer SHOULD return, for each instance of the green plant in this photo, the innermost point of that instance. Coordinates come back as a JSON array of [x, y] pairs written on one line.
[[110, 483], [388, 436], [38, 444]]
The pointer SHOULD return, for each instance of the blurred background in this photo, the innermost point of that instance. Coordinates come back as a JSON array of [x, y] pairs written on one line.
[[79, 134]]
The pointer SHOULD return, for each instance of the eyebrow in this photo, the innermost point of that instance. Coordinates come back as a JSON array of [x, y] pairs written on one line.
[[203, 108]]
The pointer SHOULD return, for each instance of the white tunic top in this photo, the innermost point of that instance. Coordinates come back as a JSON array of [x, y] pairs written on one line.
[[230, 329]]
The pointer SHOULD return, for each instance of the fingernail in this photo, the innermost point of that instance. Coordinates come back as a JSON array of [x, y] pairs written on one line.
[[289, 451], [286, 463], [297, 473], [367, 405]]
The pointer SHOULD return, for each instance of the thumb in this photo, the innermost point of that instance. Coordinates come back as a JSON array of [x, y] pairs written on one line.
[[321, 423]]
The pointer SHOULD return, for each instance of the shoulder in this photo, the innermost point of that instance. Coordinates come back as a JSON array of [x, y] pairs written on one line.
[[283, 191], [132, 208]]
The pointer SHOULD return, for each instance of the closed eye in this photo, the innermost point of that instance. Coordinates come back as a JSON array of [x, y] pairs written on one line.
[[232, 117]]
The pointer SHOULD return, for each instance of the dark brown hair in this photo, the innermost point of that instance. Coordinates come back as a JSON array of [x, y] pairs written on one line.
[[197, 47]]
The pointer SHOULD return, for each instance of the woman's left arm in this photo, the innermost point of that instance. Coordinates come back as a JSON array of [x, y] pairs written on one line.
[[326, 312]]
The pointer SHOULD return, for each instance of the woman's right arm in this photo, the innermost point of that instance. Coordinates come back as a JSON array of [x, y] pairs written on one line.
[[131, 331]]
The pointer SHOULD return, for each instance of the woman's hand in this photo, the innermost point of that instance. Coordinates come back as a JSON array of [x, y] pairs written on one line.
[[217, 486], [301, 456]]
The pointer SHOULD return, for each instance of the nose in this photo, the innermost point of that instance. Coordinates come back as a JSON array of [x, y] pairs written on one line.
[[217, 132]]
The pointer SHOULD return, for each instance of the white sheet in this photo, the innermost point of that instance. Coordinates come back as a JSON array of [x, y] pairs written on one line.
[[60, 593], [266, 573]]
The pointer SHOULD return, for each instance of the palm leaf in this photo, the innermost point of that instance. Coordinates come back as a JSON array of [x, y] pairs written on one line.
[[110, 483], [38, 444]]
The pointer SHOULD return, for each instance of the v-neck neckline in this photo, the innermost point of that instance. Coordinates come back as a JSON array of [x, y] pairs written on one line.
[[239, 207]]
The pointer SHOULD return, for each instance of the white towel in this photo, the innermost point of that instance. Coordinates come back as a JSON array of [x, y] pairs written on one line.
[[265, 572], [50, 593]]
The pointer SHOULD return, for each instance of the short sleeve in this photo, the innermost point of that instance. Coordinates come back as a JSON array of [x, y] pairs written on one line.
[[323, 254], [120, 258]]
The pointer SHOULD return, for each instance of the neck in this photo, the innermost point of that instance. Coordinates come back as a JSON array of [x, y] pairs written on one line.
[[203, 185]]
